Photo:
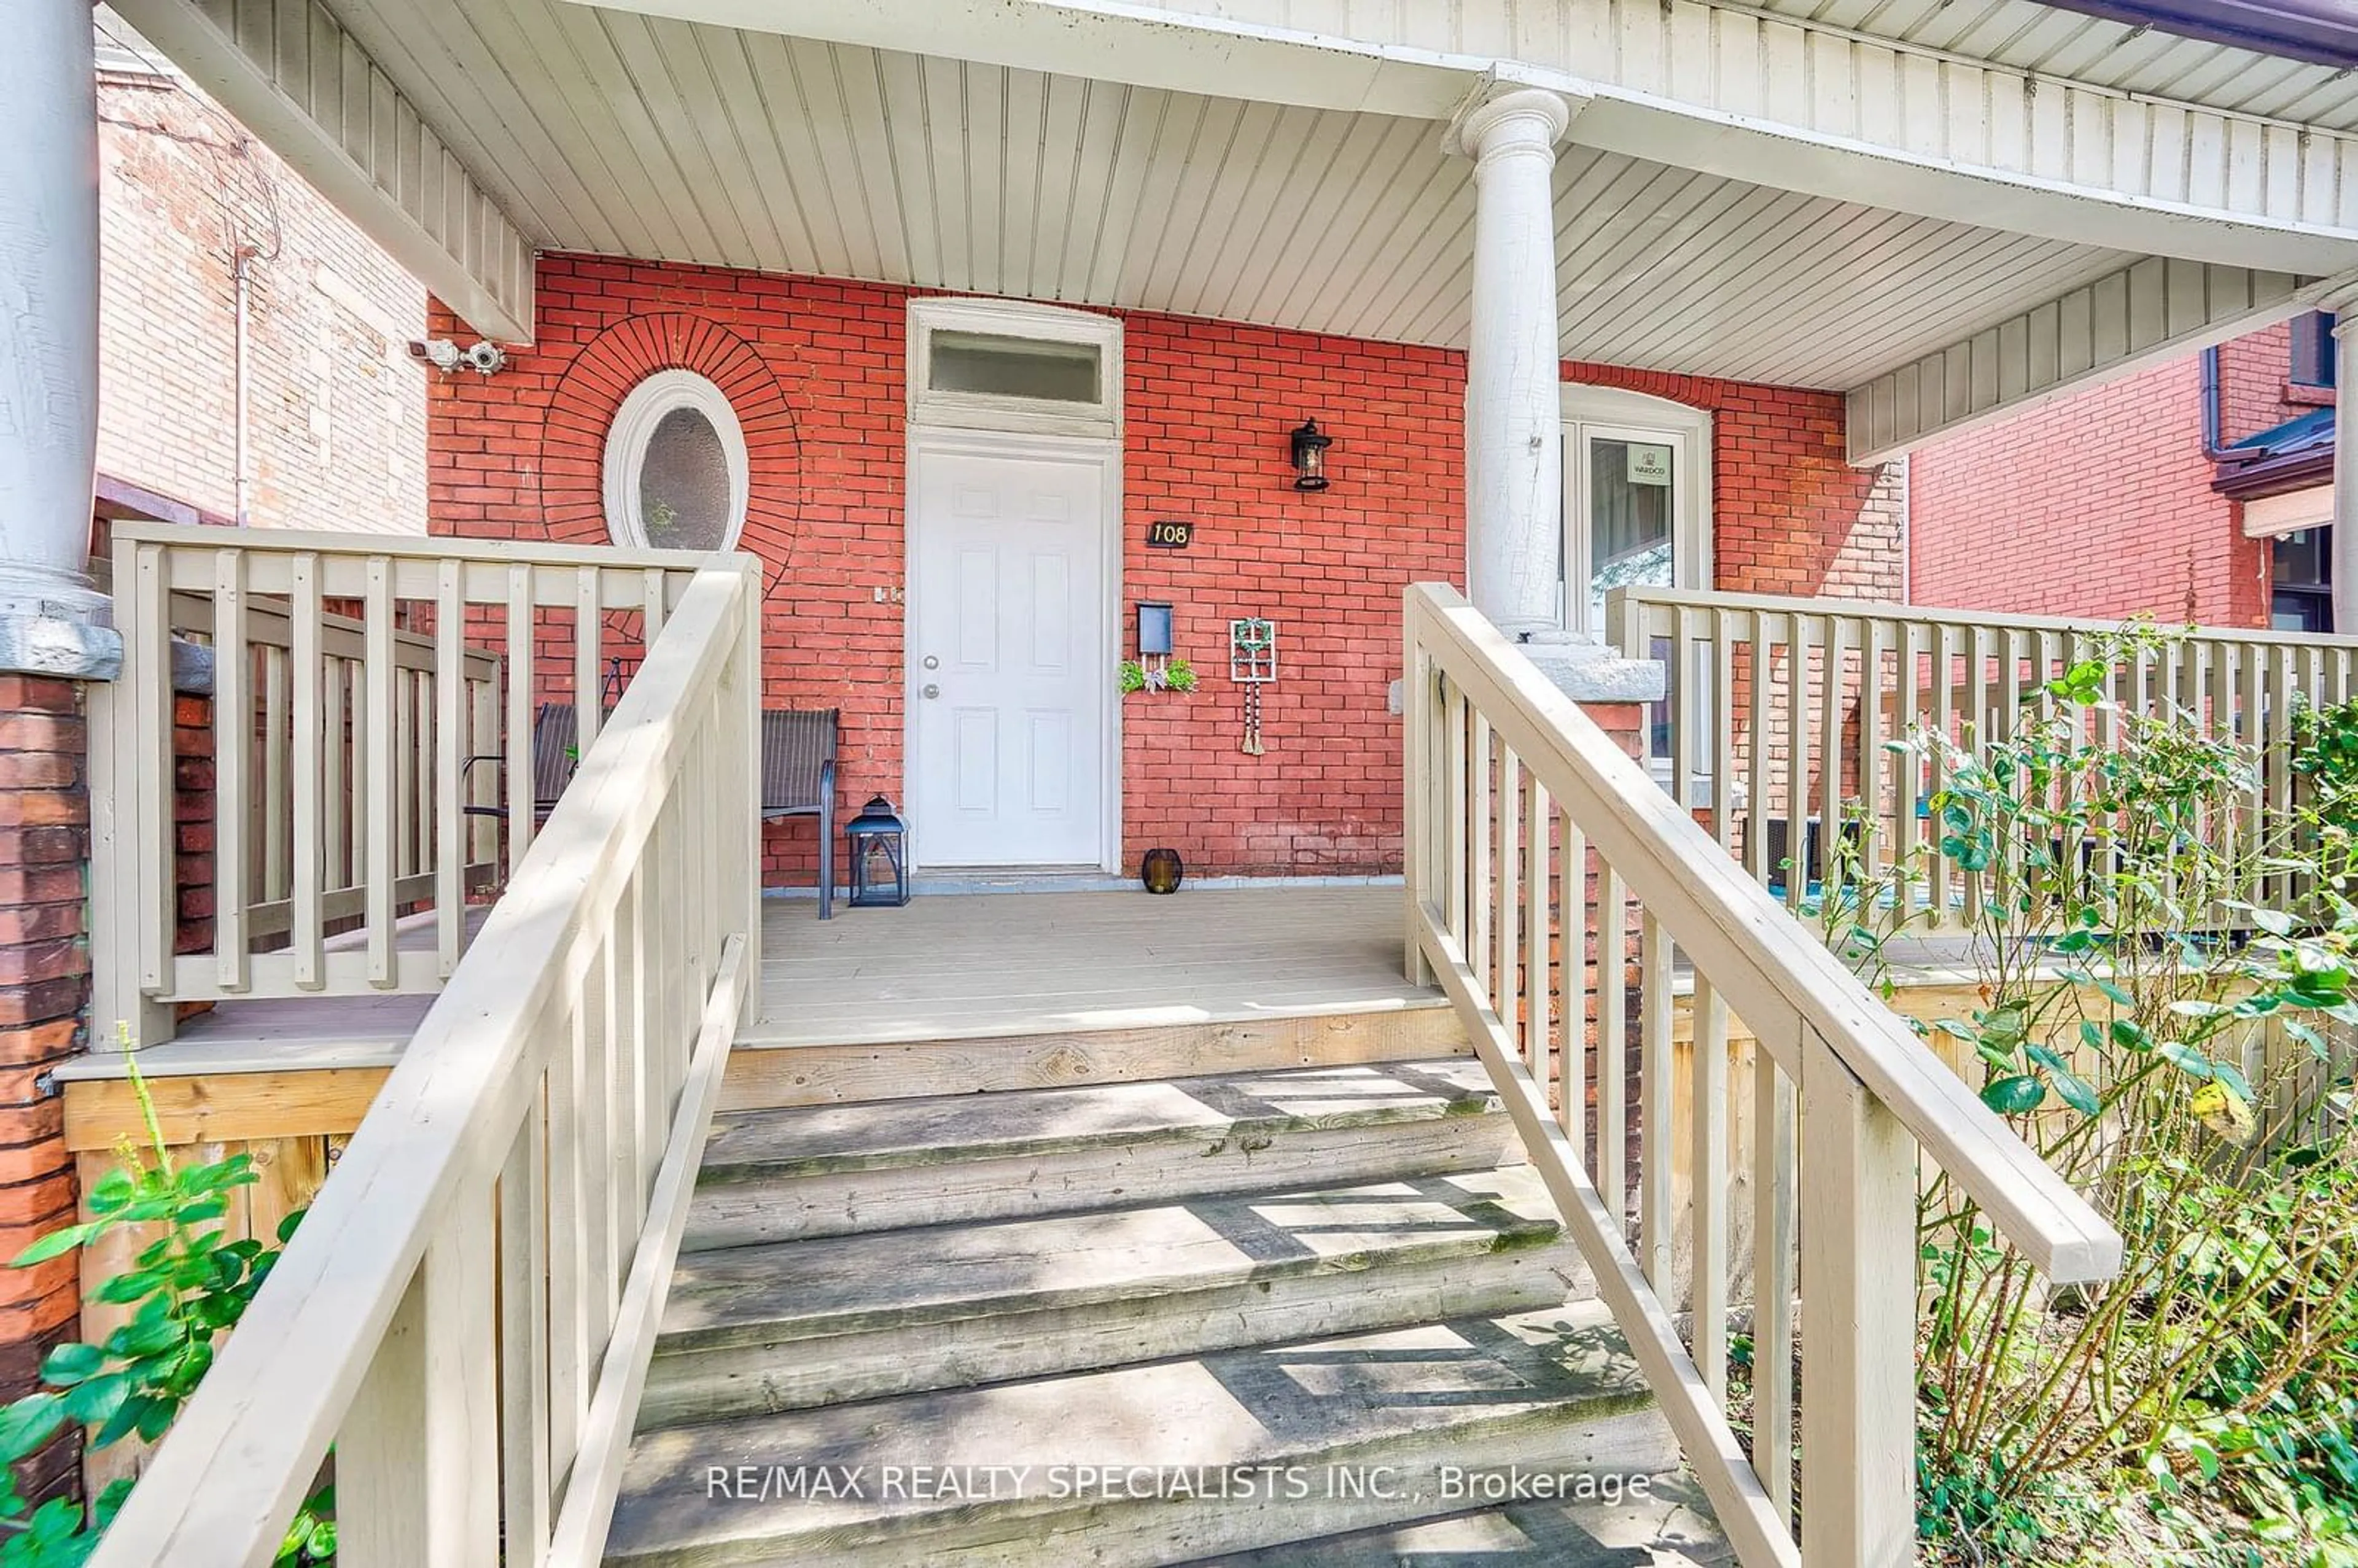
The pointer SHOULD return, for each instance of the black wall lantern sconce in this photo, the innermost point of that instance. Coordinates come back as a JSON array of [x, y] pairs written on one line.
[[1310, 446], [879, 857]]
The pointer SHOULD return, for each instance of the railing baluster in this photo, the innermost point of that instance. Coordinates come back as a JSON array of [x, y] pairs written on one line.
[[1687, 710], [1834, 681], [1612, 1034], [1873, 764], [306, 922], [1506, 980], [525, 1482], [570, 1348], [377, 676], [1482, 819], [416, 1456], [1775, 1210], [275, 838], [1944, 721], [594, 1085], [1722, 725], [1654, 1142], [589, 631], [1980, 653], [1756, 824], [1909, 794], [1858, 1325], [232, 752], [449, 750], [1572, 1025], [1800, 633], [1708, 1158], [522, 788], [406, 739], [336, 773], [1538, 961], [1455, 819]]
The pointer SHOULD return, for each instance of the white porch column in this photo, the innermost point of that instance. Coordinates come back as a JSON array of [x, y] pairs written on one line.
[[2345, 478], [1514, 399], [1514, 444], [50, 620]]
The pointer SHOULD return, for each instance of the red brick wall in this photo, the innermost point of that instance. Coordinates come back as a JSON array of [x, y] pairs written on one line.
[[44, 986], [336, 407], [814, 368], [2100, 504]]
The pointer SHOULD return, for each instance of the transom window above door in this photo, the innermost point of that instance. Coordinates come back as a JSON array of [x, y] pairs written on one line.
[[1637, 500], [675, 469], [1005, 365]]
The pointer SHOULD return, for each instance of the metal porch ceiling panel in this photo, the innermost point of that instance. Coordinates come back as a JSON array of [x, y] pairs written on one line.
[[608, 131]]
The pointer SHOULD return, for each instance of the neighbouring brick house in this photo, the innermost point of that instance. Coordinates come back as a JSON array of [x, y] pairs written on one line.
[[815, 371], [334, 415], [2196, 491]]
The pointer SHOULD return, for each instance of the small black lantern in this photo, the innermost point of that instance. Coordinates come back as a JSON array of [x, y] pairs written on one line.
[[1309, 456], [879, 857]]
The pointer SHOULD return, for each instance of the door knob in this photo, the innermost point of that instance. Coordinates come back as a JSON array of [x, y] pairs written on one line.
[[933, 690], [931, 662]]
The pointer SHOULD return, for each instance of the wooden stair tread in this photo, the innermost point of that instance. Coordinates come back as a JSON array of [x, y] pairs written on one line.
[[1670, 1527], [775, 1291], [1556, 1384], [944, 1128]]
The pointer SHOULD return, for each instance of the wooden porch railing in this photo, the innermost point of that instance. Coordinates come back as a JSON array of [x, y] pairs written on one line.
[[1523, 817], [362, 762], [468, 1311], [1782, 712]]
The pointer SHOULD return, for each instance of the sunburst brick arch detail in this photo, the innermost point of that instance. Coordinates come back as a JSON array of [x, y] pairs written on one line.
[[582, 413]]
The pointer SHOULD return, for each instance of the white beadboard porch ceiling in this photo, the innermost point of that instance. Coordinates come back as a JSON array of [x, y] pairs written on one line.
[[2028, 35], [601, 130]]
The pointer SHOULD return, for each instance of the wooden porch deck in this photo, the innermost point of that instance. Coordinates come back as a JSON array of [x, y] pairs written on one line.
[[974, 965], [945, 967]]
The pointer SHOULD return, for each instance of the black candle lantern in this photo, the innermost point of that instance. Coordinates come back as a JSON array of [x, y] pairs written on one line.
[[1309, 456], [1159, 870], [879, 857]]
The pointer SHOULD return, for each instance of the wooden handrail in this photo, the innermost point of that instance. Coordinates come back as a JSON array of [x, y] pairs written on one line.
[[1518, 807], [460, 1376]]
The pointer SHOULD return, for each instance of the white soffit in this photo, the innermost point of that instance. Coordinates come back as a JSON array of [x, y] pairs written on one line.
[[612, 132]]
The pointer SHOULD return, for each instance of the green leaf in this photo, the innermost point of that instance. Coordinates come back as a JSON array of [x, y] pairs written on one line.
[[70, 1362], [94, 1403], [56, 1243], [2130, 1034], [29, 1423], [2189, 1061], [2118, 997], [2046, 1057], [2075, 1091], [2275, 922], [2091, 1036], [2232, 1077], [2014, 1095]]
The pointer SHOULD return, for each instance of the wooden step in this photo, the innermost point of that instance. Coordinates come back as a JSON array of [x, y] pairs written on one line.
[[1155, 1464], [1664, 1523], [789, 1324], [776, 1175]]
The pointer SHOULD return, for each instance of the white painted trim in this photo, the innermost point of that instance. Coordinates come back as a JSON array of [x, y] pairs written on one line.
[[955, 442], [1024, 415], [633, 426], [1616, 411], [337, 118]]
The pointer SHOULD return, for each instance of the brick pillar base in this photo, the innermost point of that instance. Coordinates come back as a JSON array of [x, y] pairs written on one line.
[[44, 987]]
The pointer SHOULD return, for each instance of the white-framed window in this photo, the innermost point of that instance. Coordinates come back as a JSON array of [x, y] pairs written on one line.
[[1636, 498], [1637, 513], [1004, 364], [676, 473]]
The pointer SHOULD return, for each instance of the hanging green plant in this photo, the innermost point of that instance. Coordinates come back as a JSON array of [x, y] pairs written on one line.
[[1176, 674]]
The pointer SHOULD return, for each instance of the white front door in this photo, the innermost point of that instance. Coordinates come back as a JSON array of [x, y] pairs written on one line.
[[1009, 652]]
